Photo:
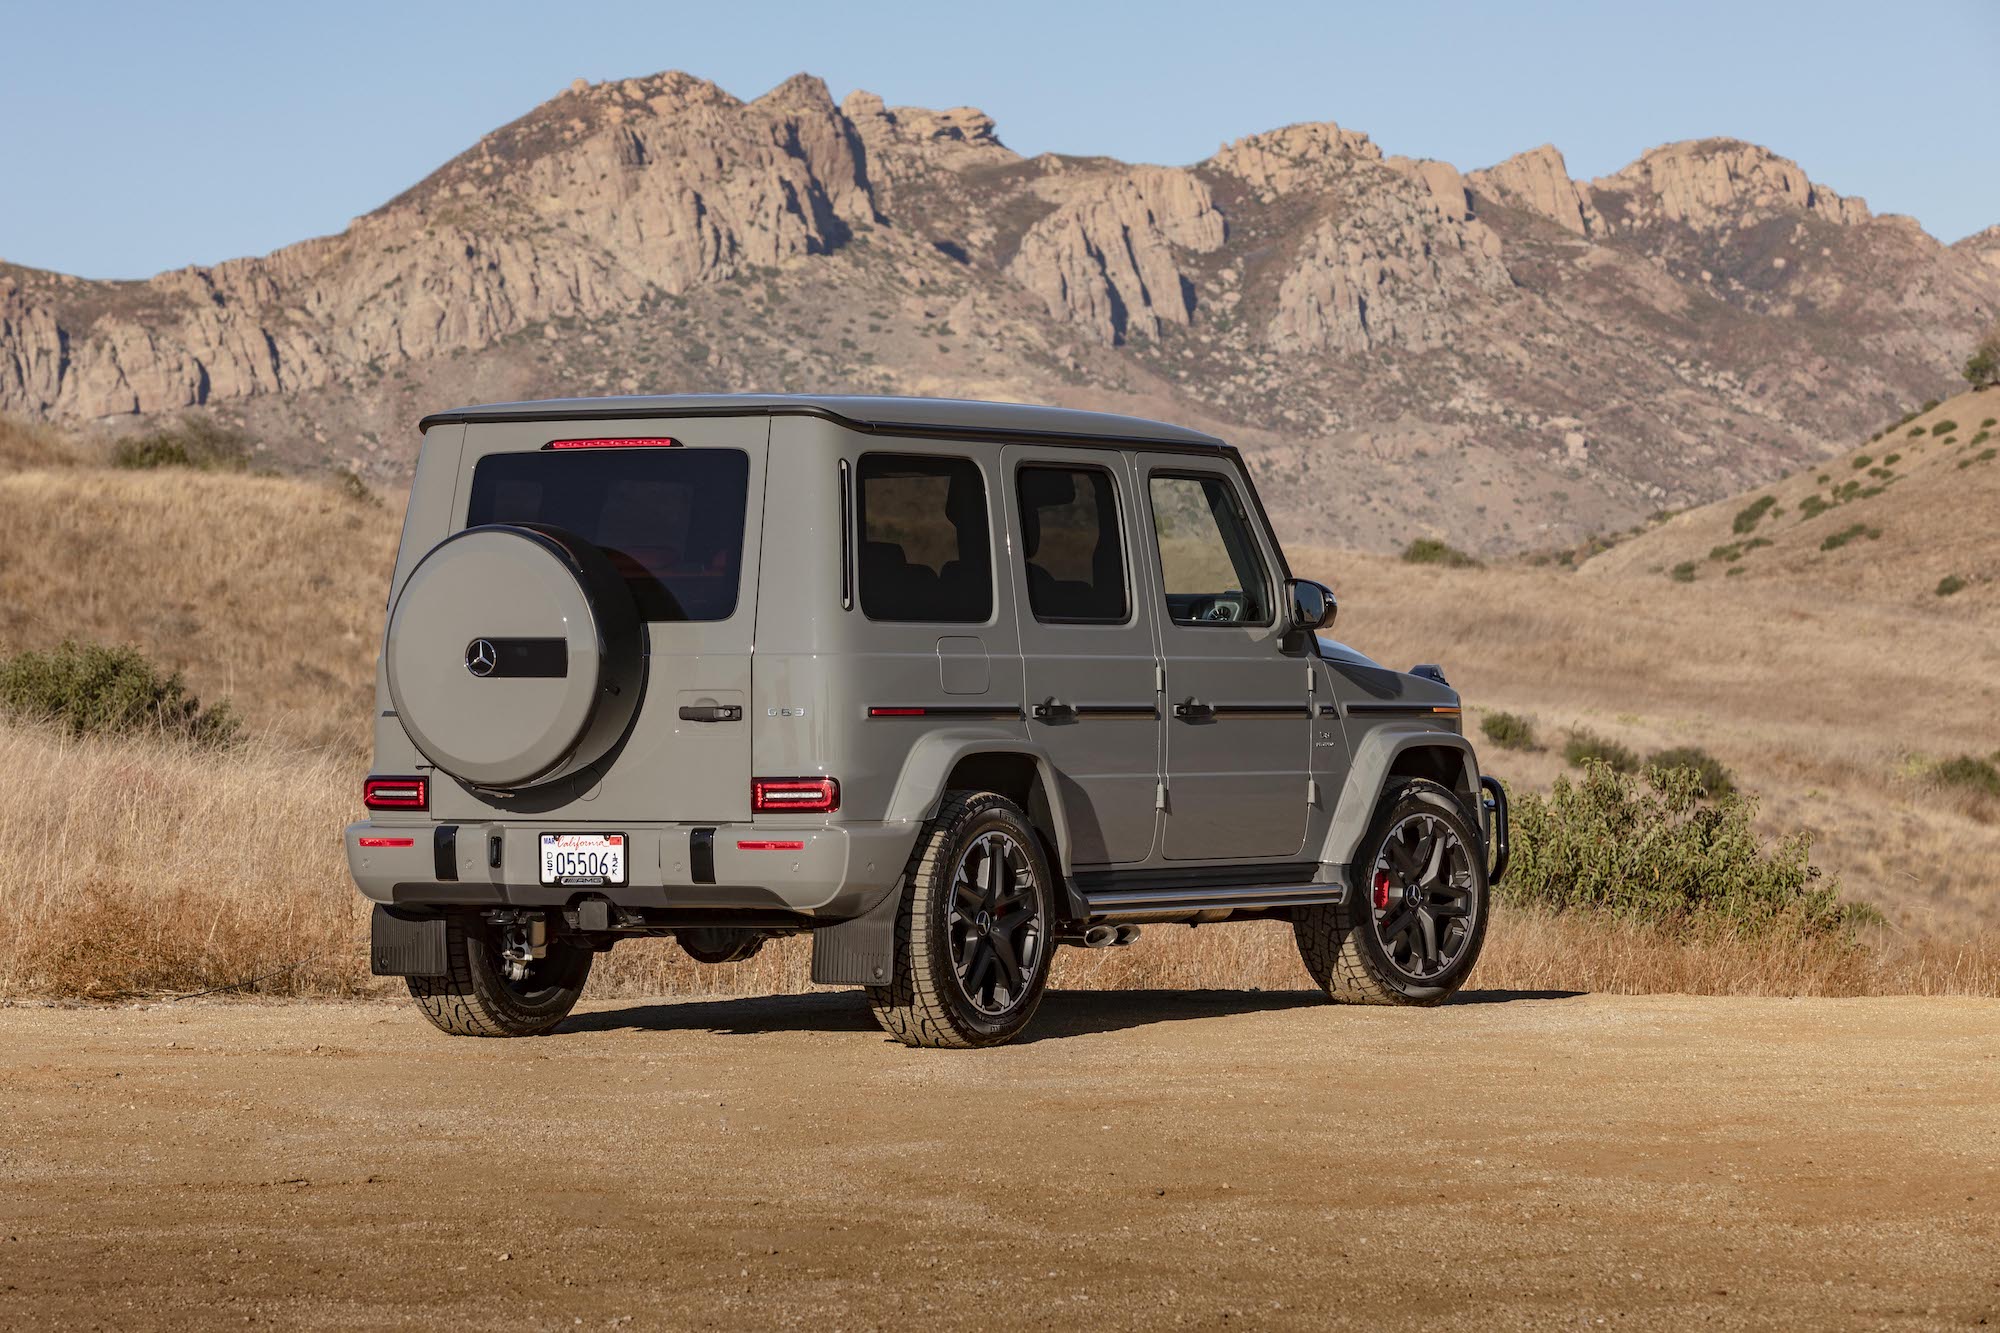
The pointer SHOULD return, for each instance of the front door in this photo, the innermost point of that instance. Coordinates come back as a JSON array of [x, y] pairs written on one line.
[[1085, 609], [1239, 738]]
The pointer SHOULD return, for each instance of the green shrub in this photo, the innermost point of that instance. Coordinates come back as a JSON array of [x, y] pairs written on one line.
[[1839, 539], [1989, 423], [350, 484], [1587, 747], [1969, 772], [1509, 731], [1734, 570], [1756, 542], [91, 690], [1812, 507], [1431, 551], [1983, 456], [1944, 428], [1683, 572], [194, 441], [1890, 460], [1950, 584], [1823, 479], [1660, 854], [1863, 460], [1929, 403], [1753, 513], [1916, 431], [1716, 780], [1981, 438], [1734, 551]]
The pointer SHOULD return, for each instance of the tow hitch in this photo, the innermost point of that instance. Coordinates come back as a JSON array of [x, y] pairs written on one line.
[[524, 940]]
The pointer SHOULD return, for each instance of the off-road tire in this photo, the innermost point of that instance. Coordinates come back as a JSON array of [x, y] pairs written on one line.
[[1338, 942], [922, 1005], [475, 999]]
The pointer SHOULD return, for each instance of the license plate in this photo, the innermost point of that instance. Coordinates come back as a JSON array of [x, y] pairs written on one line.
[[583, 858]]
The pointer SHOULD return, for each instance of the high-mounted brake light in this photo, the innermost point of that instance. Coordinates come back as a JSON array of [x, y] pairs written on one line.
[[619, 442], [396, 793], [814, 796]]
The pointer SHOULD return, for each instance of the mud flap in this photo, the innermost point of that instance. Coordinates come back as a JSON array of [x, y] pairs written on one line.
[[405, 945], [860, 952]]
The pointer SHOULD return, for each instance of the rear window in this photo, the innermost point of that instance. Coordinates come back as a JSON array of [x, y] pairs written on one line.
[[670, 520], [925, 554]]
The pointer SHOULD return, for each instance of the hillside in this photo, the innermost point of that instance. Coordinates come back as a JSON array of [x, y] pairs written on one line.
[[1506, 356], [264, 590], [1888, 518]]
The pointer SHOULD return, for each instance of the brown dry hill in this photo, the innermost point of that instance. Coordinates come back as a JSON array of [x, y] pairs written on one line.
[[1508, 357], [1906, 515]]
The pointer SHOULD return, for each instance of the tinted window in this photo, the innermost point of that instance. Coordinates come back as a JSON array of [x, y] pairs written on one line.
[[1208, 559], [924, 547], [671, 520], [1069, 538]]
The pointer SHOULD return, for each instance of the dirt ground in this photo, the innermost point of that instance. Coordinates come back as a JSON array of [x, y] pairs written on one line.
[[1148, 1160]]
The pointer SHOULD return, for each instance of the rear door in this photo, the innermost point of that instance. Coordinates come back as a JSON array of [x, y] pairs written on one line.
[[1083, 601], [677, 505], [1238, 754]]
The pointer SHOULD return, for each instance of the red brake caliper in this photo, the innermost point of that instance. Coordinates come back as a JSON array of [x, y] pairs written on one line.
[[1381, 889]]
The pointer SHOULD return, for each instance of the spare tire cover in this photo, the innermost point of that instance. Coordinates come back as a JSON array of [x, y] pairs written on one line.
[[515, 655]]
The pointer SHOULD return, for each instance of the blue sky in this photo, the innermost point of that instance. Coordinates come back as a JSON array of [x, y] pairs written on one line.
[[141, 137]]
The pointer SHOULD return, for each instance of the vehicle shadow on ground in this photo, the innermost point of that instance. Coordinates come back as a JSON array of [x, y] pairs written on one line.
[[1063, 1013]]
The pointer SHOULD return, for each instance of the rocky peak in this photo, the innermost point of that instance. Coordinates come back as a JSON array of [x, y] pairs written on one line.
[[1441, 179], [1106, 258], [1983, 246], [1713, 183], [1539, 181], [957, 138], [1280, 161]]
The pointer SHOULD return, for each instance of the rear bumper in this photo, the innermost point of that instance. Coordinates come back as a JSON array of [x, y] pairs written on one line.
[[833, 872]]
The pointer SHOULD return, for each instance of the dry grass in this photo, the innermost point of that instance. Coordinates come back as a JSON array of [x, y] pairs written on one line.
[[31, 444], [262, 590], [141, 867]]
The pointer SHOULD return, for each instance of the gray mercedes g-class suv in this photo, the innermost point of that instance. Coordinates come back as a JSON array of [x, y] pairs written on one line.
[[946, 684]]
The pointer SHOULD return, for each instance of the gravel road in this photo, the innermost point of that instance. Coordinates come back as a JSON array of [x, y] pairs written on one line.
[[1149, 1160]]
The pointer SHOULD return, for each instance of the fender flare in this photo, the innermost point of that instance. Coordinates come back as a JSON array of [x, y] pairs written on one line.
[[920, 787], [1374, 756]]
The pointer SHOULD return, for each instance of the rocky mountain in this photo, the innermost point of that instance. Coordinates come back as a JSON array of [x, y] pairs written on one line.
[[1508, 357]]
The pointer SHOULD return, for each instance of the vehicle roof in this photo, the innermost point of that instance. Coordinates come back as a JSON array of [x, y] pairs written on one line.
[[877, 414]]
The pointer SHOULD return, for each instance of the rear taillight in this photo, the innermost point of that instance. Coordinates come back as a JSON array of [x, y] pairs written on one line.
[[620, 442], [812, 796], [396, 793]]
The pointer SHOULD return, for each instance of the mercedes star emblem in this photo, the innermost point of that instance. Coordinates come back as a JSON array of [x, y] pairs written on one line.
[[481, 657]]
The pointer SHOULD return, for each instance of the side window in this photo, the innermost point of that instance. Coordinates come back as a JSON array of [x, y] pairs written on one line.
[[1209, 564], [926, 554], [1069, 539]]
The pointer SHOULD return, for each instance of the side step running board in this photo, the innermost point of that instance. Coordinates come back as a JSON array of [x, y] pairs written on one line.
[[1198, 898]]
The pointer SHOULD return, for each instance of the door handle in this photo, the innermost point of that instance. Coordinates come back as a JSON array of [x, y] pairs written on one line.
[[1052, 710], [711, 712], [1193, 710]]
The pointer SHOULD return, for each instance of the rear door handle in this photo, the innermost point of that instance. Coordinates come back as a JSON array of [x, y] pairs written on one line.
[[711, 712], [1052, 710], [1193, 709]]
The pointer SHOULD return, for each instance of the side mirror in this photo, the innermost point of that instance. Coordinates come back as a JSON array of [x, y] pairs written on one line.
[[1313, 606]]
